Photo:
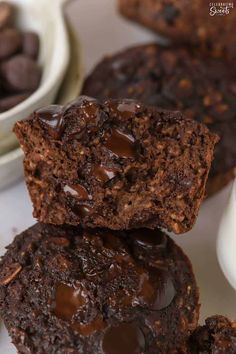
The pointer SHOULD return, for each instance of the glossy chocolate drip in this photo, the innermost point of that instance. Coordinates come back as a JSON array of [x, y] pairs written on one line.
[[82, 210], [68, 301], [89, 328], [77, 190], [145, 240], [85, 108], [91, 113], [52, 118], [103, 173], [79, 101], [156, 296], [126, 338], [146, 292], [125, 109], [111, 241], [128, 108], [121, 144]]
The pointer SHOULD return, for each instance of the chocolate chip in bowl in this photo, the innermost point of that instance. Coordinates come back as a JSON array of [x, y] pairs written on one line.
[[11, 162], [19, 70], [6, 14], [177, 78], [34, 54]]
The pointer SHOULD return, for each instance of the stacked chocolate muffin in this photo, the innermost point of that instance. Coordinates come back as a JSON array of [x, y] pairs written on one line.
[[97, 274]]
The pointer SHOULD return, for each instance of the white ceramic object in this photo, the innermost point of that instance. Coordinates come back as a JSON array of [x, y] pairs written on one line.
[[73, 81], [46, 18], [226, 242], [11, 163]]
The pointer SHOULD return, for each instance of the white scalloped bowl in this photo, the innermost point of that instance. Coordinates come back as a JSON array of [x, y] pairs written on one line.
[[46, 18], [11, 168], [226, 241]]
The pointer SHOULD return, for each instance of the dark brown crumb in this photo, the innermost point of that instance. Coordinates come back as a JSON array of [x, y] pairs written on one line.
[[115, 164], [64, 290], [188, 22]]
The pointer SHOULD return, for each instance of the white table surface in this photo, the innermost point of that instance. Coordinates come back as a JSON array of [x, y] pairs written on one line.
[[102, 31]]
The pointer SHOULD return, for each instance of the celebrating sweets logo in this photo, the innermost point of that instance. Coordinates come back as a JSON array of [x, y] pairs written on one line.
[[220, 8]]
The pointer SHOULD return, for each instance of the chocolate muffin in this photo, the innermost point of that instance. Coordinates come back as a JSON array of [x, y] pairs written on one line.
[[67, 290], [203, 24], [117, 164], [217, 336], [201, 87]]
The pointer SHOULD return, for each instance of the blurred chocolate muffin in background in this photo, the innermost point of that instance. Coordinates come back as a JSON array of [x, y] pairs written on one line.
[[202, 87], [68, 290], [207, 25], [216, 336]]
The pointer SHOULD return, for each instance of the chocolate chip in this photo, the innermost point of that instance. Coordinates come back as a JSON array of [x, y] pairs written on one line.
[[82, 209], [20, 74], [165, 294], [10, 42], [149, 239], [125, 108], [146, 294], [103, 173], [89, 328], [126, 338], [30, 45], [6, 14], [52, 119], [120, 144], [77, 190], [68, 300]]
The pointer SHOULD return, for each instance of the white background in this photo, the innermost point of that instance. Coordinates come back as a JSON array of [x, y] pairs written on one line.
[[102, 31]]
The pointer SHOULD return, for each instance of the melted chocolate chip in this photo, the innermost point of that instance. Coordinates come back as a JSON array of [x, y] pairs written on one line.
[[125, 109], [121, 144], [85, 107], [128, 108], [91, 113], [103, 173], [80, 101], [68, 301], [52, 118], [110, 241], [89, 328], [82, 210], [77, 190], [126, 338], [146, 293], [149, 238], [165, 295]]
